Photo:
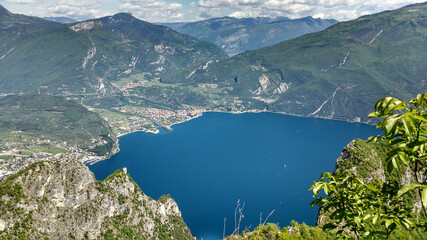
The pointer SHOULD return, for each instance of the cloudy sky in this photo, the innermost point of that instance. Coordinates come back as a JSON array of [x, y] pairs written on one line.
[[191, 10]]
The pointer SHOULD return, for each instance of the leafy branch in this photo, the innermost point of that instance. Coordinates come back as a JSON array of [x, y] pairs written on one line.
[[362, 210]]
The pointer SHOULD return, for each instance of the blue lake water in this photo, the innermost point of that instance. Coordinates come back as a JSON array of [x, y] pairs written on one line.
[[266, 160]]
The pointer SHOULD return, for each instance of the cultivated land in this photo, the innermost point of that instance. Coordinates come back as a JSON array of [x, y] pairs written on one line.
[[39, 127]]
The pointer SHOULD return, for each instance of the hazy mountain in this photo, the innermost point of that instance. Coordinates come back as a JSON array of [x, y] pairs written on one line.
[[87, 56], [337, 73], [60, 19], [235, 35]]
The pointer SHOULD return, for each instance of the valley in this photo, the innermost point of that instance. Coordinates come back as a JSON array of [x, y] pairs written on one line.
[[146, 76], [69, 90]]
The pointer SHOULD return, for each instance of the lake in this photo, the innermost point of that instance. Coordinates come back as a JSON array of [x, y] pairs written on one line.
[[267, 161]]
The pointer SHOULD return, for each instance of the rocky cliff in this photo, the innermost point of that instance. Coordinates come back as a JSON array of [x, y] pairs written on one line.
[[63, 200]]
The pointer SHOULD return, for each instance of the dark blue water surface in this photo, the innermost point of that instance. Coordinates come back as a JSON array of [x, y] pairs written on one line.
[[266, 160]]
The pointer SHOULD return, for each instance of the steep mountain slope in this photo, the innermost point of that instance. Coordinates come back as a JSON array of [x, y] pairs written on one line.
[[62, 200], [337, 73], [235, 35], [85, 57]]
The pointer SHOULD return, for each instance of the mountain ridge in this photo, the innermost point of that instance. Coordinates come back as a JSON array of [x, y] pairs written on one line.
[[60, 19], [236, 35]]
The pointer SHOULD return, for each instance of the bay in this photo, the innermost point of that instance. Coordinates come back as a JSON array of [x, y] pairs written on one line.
[[267, 161]]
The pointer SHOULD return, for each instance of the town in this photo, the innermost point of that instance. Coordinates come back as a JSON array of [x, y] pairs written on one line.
[[18, 151]]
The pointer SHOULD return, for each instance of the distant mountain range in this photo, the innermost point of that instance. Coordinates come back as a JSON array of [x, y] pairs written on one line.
[[60, 19], [120, 61], [338, 73], [236, 35], [88, 56]]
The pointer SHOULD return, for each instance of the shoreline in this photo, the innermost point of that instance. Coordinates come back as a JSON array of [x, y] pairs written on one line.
[[169, 127]]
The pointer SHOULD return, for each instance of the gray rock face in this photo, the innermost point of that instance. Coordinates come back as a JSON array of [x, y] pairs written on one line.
[[62, 200]]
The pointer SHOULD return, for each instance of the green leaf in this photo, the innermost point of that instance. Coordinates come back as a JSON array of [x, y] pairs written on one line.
[[389, 166], [338, 214], [373, 188], [316, 188], [407, 188], [424, 196], [396, 163], [374, 138], [375, 219], [375, 115], [389, 104], [388, 222], [329, 226], [420, 100], [403, 157], [407, 223], [390, 124], [420, 118], [357, 220], [397, 141], [327, 189], [408, 125]]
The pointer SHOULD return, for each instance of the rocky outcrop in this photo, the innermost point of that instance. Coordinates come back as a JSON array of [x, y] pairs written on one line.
[[367, 160], [63, 200]]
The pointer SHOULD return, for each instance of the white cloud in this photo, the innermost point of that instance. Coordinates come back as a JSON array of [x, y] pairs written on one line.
[[76, 9], [174, 10], [153, 11], [338, 9], [20, 1]]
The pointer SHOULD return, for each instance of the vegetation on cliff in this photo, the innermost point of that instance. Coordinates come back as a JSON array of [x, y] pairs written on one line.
[[357, 207]]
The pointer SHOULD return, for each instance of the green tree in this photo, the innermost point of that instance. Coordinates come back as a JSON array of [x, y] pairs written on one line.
[[405, 128], [374, 210]]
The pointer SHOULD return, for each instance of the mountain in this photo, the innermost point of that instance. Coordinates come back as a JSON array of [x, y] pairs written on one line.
[[236, 35], [60, 19], [86, 57], [338, 73], [63, 200]]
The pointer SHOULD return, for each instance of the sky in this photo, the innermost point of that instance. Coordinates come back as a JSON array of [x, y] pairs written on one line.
[[193, 10]]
